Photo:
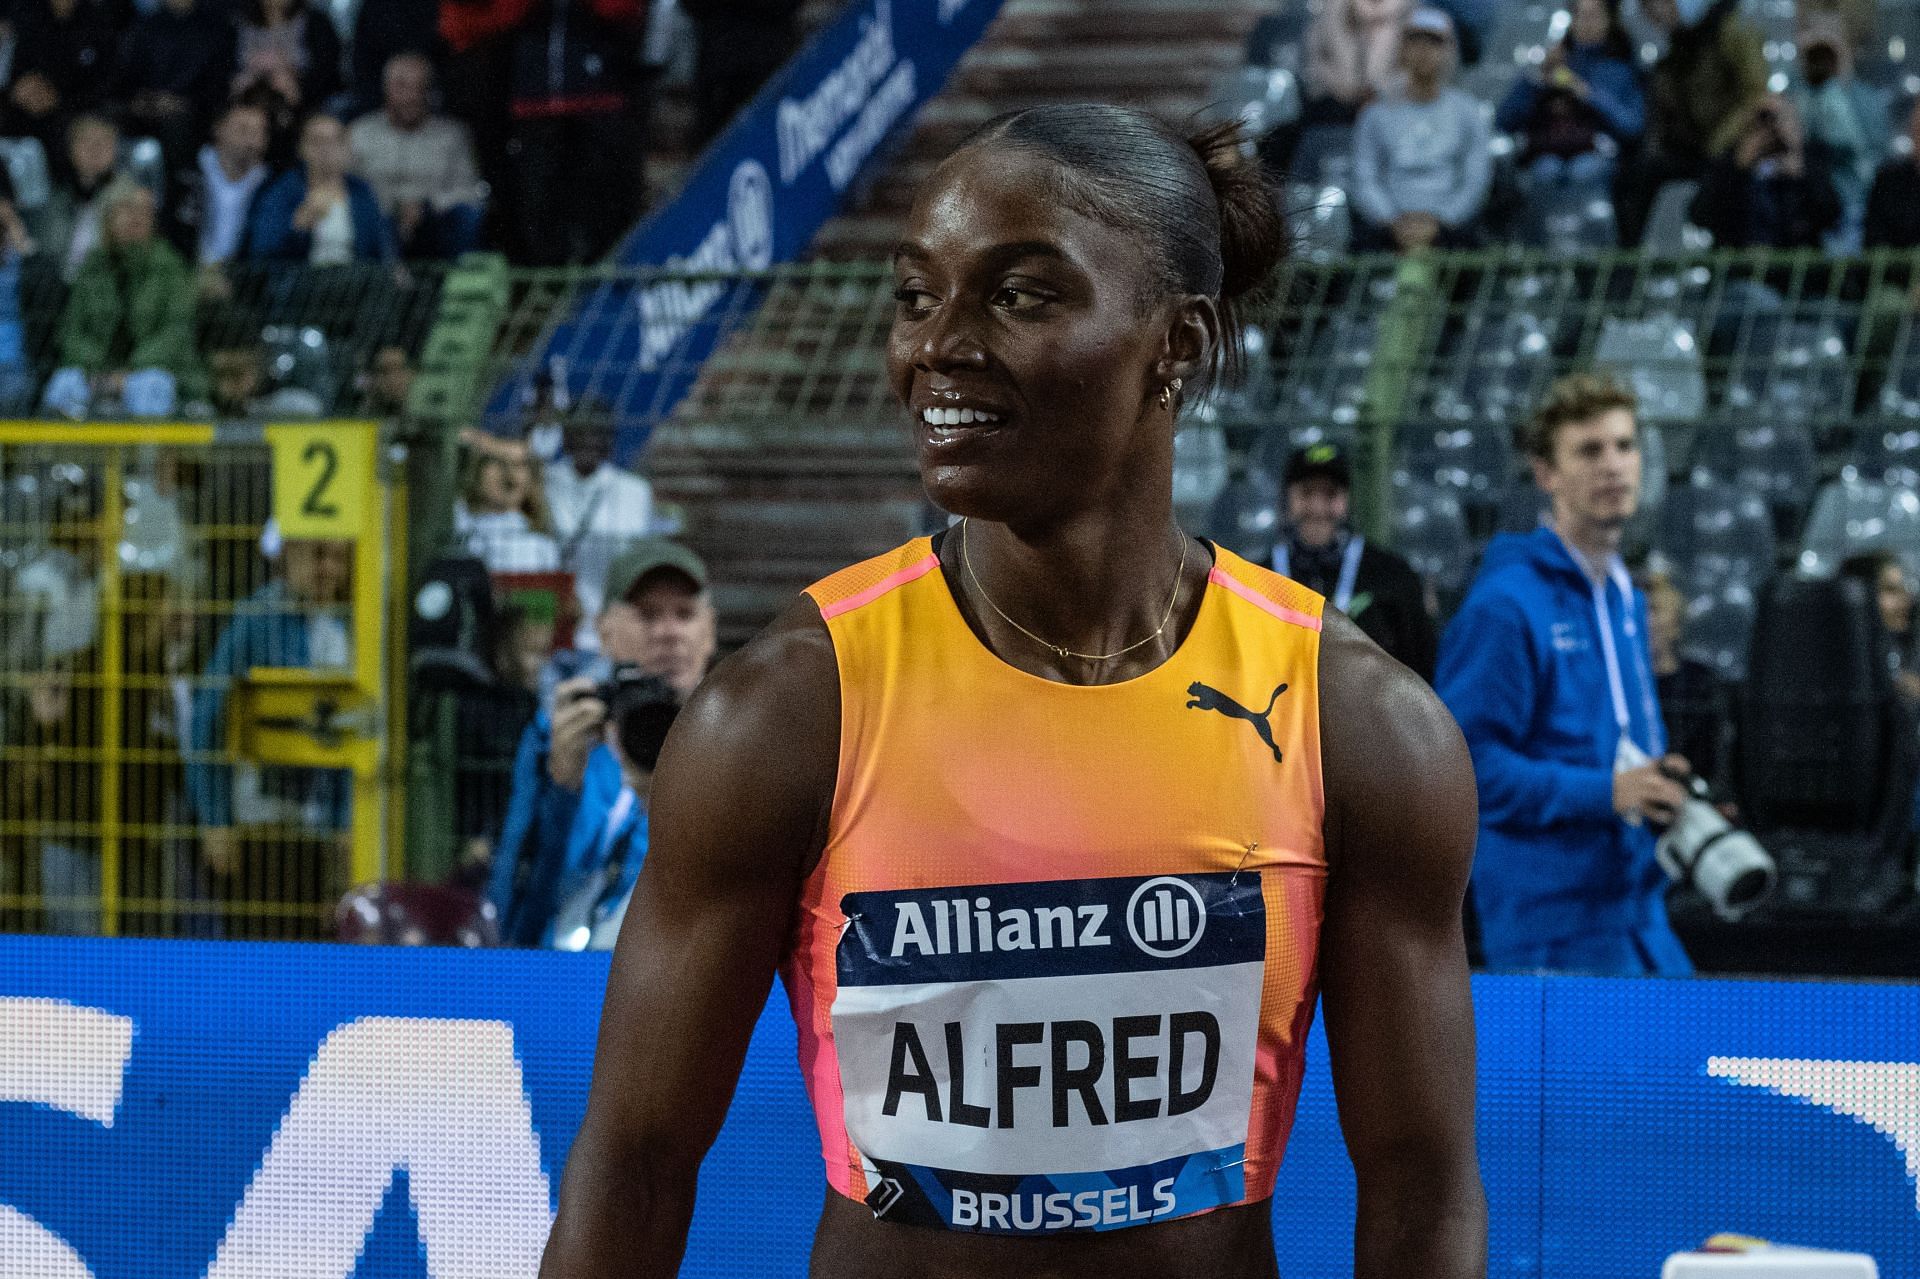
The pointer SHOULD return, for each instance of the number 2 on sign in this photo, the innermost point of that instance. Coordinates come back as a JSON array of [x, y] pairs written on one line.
[[322, 474]]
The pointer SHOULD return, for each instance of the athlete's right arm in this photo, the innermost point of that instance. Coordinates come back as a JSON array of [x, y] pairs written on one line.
[[737, 818]]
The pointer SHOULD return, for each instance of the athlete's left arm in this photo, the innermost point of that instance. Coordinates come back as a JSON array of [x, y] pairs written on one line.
[[1401, 822]]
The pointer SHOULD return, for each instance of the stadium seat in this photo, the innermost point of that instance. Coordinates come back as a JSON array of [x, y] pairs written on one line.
[[1713, 531], [1320, 219], [1718, 627], [1851, 515], [1261, 98], [1277, 38], [1766, 454], [1497, 368], [1789, 370], [1668, 233], [1330, 384], [1472, 461], [1429, 530], [1246, 515], [1888, 451], [1199, 468], [400, 914], [1659, 356]]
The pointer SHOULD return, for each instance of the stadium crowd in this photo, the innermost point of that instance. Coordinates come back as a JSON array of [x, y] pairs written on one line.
[[178, 175], [281, 165]]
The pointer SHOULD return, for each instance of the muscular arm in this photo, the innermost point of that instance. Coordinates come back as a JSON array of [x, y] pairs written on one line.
[[1399, 1013], [738, 813]]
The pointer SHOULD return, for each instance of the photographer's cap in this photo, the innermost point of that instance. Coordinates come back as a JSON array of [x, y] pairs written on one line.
[[648, 556], [1319, 461]]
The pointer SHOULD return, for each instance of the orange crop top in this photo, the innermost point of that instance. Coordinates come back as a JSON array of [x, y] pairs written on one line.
[[1055, 968]]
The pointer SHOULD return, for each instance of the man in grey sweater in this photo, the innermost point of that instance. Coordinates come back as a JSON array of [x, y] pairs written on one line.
[[421, 165], [1421, 164]]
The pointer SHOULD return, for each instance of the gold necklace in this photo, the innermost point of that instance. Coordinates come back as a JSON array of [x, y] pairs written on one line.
[[1060, 650]]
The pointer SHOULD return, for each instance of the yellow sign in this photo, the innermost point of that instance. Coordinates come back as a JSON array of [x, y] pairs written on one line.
[[323, 478]]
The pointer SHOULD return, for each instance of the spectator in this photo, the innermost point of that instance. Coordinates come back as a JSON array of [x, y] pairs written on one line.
[[1588, 89], [1856, 18], [284, 119], [386, 384], [211, 216], [298, 620], [384, 31], [1421, 161], [319, 213], [1369, 583], [62, 66], [1713, 69], [126, 337], [175, 64], [597, 507], [50, 793], [1693, 703], [593, 901], [576, 149], [291, 46], [1846, 117], [55, 595], [1546, 669], [741, 44], [238, 383], [1352, 57], [420, 165], [1893, 205], [501, 515], [16, 374], [67, 227], [564, 787], [1885, 578], [1774, 189]]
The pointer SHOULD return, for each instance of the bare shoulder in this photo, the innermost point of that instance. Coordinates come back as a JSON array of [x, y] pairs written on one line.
[[757, 746], [1391, 753]]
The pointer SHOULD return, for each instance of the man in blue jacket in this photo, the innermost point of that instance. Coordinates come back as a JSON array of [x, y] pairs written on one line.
[[566, 810], [1546, 669]]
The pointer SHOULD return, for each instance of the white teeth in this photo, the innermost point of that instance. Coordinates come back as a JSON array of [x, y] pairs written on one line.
[[957, 417]]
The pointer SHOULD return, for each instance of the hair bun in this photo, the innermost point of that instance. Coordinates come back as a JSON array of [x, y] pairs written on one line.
[[1253, 234]]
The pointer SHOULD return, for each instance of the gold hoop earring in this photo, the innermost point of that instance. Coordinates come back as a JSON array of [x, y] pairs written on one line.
[[1167, 393]]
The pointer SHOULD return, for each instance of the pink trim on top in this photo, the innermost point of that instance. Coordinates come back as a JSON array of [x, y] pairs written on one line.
[[1219, 577], [910, 573]]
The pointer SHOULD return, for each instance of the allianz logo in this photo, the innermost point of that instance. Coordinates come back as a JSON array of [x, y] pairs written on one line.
[[1165, 918]]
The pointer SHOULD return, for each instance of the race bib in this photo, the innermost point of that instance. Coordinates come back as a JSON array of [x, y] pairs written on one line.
[[1045, 1057]]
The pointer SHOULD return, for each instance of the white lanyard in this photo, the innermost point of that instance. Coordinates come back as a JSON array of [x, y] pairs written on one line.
[[1616, 685], [616, 817], [1349, 568]]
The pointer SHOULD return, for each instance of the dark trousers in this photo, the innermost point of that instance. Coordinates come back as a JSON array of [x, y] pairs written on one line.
[[579, 184]]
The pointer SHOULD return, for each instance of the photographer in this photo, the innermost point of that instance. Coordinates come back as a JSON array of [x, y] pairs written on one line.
[[658, 619], [1774, 189], [604, 853], [1587, 88], [1546, 670]]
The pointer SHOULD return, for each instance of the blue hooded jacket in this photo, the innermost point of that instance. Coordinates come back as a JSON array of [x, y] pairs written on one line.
[[1523, 668]]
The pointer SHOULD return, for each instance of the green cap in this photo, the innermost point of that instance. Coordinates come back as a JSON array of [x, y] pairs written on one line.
[[650, 555]]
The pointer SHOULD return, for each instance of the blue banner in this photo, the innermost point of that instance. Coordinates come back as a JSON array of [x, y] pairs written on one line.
[[757, 197], [174, 1110]]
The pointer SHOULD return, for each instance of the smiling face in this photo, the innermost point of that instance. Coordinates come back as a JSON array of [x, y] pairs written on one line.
[[1028, 344]]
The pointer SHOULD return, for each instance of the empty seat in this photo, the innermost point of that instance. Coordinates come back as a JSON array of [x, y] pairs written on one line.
[[1659, 356], [1320, 221], [1261, 98], [1473, 461], [1888, 451], [1715, 532], [1851, 515], [1791, 371], [1330, 383], [1497, 367], [1718, 628], [1247, 516], [1772, 457], [1199, 468], [1429, 530]]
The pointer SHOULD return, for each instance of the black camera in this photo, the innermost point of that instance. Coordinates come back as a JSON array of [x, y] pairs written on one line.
[[641, 708]]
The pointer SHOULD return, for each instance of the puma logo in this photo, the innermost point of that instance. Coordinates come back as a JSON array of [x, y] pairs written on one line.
[[1212, 699]]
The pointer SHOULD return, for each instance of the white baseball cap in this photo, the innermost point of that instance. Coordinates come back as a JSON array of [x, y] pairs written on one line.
[[1430, 21]]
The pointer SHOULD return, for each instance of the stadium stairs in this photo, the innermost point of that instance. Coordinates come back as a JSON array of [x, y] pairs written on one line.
[[775, 500]]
